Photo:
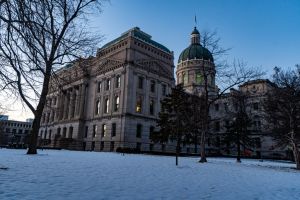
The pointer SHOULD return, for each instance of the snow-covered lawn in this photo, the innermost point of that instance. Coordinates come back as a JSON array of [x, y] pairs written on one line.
[[94, 175]]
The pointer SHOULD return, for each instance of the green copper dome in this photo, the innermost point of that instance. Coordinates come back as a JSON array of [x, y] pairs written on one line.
[[195, 51]]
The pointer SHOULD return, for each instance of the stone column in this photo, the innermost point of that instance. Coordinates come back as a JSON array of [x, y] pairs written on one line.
[[82, 100], [79, 96], [61, 106], [71, 104], [76, 102], [66, 107]]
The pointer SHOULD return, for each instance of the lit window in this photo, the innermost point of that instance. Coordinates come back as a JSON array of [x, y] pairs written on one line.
[[106, 105], [138, 108], [117, 103], [118, 81]]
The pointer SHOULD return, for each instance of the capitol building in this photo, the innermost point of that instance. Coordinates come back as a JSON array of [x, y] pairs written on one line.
[[112, 101]]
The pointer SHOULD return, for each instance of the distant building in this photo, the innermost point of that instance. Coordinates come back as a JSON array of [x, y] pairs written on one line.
[[29, 120], [14, 133], [3, 117]]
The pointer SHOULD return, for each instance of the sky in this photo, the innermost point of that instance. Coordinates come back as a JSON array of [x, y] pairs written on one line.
[[262, 33]]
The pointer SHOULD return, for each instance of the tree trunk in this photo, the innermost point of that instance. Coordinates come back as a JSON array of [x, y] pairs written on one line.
[[202, 148], [296, 155], [38, 113], [177, 151], [238, 158]]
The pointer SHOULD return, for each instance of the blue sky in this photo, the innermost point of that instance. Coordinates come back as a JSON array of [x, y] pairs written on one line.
[[263, 33]]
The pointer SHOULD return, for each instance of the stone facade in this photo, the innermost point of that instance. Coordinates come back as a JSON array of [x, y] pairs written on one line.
[[111, 100]]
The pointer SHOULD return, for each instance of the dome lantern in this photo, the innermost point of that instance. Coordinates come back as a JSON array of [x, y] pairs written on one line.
[[195, 36]]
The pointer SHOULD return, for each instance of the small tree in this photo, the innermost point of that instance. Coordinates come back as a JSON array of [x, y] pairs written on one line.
[[283, 108], [174, 119], [239, 128]]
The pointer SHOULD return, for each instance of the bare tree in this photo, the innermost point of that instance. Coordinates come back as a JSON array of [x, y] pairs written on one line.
[[283, 109], [227, 75], [36, 39]]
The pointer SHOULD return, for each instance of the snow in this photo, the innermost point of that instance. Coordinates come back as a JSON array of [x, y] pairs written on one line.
[[96, 175]]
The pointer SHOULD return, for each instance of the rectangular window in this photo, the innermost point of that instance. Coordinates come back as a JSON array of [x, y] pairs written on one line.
[[113, 129], [50, 134], [138, 108], [199, 78], [164, 90], [257, 142], [117, 103], [112, 146], [163, 147], [107, 87], [99, 87], [93, 146], [118, 81], [94, 130], [152, 86], [140, 82], [106, 105], [151, 107], [101, 146], [138, 146], [86, 131], [103, 133], [138, 130], [97, 107], [151, 147], [71, 132], [64, 132], [226, 107], [151, 130], [216, 107], [255, 106], [58, 131], [217, 126]]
